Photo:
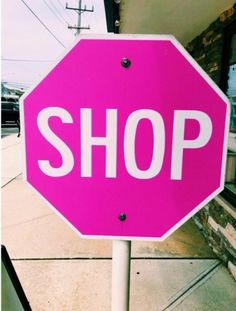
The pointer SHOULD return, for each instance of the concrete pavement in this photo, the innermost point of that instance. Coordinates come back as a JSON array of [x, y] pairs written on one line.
[[11, 158], [61, 271]]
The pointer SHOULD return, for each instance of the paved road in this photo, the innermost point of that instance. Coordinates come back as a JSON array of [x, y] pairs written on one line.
[[7, 130]]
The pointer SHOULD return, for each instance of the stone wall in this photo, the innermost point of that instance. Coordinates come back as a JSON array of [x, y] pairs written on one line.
[[207, 48], [217, 220]]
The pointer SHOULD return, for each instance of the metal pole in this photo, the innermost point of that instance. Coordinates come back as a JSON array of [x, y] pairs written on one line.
[[120, 275], [79, 17]]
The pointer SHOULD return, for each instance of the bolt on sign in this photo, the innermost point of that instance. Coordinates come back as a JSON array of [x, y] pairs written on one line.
[[126, 136]]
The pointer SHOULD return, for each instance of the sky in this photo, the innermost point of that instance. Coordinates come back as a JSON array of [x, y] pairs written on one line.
[[28, 47]]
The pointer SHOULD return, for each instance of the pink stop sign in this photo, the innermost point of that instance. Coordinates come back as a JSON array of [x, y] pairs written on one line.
[[125, 137]]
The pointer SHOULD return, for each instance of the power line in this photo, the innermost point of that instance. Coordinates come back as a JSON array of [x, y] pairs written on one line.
[[53, 12], [64, 7], [42, 23], [55, 8], [61, 4], [26, 60]]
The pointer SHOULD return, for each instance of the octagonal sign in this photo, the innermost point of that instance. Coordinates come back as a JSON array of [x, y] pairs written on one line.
[[126, 136]]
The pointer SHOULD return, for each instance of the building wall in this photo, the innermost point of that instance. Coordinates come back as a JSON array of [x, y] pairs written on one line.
[[217, 220], [207, 48]]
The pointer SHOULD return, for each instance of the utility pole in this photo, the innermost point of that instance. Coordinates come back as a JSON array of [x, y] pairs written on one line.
[[79, 10]]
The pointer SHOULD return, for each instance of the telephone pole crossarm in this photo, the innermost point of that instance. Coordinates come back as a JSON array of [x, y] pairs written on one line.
[[80, 9], [74, 27]]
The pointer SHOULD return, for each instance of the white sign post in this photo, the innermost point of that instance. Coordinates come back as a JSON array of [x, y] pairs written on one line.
[[120, 275]]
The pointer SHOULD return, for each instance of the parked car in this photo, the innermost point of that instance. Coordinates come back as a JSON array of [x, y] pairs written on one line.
[[10, 109]]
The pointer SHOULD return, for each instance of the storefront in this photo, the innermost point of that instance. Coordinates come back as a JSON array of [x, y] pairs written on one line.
[[207, 29]]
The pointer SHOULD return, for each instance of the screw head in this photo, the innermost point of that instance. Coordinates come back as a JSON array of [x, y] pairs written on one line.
[[125, 62], [122, 217]]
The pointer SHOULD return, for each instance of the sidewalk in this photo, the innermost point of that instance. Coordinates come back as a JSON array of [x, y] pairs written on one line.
[[61, 271]]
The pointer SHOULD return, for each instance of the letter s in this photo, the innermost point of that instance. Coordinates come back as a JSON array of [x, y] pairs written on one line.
[[63, 149]]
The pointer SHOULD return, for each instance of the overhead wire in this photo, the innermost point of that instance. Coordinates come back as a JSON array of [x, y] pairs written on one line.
[[42, 23], [58, 12], [61, 4], [26, 60], [53, 12]]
